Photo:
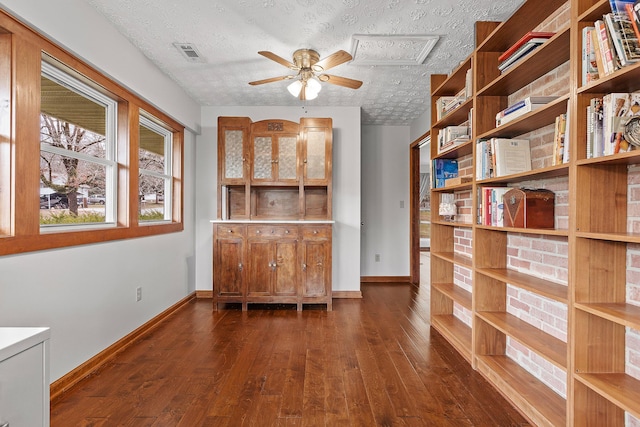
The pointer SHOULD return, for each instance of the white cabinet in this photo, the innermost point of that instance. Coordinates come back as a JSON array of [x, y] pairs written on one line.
[[24, 377]]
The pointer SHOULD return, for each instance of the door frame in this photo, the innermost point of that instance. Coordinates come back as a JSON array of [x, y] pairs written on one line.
[[414, 202]]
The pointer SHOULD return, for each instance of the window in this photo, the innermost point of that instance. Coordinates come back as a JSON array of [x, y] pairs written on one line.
[[77, 151], [155, 171]]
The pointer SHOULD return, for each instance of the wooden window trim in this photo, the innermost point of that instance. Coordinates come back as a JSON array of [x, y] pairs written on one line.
[[22, 231]]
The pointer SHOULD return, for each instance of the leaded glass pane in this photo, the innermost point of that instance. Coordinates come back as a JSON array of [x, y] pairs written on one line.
[[315, 155], [287, 157], [233, 155], [262, 157]]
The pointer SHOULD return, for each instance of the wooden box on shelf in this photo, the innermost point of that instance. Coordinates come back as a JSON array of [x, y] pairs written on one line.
[[529, 208]]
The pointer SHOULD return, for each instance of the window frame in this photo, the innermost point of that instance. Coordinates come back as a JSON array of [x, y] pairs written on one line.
[[151, 123], [22, 49], [64, 78]]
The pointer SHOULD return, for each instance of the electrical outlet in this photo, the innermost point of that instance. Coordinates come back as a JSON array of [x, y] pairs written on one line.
[[138, 293], [377, 257]]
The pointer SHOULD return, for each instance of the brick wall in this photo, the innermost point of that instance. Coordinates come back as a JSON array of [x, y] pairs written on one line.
[[462, 244]]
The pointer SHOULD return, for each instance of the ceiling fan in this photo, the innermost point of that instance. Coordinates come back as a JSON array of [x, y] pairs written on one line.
[[310, 70]]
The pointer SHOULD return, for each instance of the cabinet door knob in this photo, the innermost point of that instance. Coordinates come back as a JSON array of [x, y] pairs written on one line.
[[286, 231], [273, 231], [304, 161], [230, 231], [239, 268], [257, 231], [315, 231], [304, 267]]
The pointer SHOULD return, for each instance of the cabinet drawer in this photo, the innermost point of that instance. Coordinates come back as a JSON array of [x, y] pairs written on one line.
[[229, 230], [276, 231], [316, 232]]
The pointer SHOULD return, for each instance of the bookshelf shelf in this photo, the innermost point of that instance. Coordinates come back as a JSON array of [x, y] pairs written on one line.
[[461, 150], [457, 116], [537, 401], [611, 237], [620, 313], [622, 80], [536, 119], [551, 54], [455, 331], [618, 388], [545, 288], [455, 293], [452, 224], [542, 173], [549, 347], [537, 231], [454, 258], [455, 81]]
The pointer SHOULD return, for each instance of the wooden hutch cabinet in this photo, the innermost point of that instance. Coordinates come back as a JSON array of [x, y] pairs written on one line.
[[272, 237]]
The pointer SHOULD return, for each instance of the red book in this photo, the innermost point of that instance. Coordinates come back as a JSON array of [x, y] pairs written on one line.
[[530, 35]]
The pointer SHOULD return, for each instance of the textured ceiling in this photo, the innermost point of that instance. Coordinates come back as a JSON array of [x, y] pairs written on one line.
[[229, 33]]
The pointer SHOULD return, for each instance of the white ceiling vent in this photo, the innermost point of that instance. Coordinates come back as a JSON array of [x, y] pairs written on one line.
[[392, 49], [189, 51]]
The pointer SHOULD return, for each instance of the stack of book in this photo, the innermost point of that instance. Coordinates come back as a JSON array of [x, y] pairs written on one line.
[[613, 42], [491, 205], [607, 120], [446, 104], [527, 44], [521, 108], [452, 136]]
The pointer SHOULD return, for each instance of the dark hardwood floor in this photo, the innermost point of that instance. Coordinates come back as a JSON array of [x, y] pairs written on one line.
[[369, 362]]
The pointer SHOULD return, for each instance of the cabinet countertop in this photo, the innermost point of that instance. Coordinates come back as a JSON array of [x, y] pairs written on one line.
[[15, 340], [270, 221]]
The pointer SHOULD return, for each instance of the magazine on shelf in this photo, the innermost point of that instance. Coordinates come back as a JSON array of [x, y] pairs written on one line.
[[524, 50], [589, 61], [531, 35], [443, 169], [623, 38], [511, 156], [521, 108]]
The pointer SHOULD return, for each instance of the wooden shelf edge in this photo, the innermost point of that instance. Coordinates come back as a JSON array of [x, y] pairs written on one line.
[[614, 237], [620, 313], [452, 224], [537, 285], [537, 402], [621, 389], [541, 231], [545, 345], [542, 173], [455, 81], [455, 258], [455, 332], [455, 293]]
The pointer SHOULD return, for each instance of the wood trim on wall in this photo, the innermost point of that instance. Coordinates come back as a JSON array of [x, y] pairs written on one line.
[[347, 294], [58, 387], [386, 279], [414, 206], [204, 294]]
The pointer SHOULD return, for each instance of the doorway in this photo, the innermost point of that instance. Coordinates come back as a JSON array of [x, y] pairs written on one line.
[[420, 178]]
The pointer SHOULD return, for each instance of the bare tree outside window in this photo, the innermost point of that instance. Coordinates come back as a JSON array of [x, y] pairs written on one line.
[[67, 175]]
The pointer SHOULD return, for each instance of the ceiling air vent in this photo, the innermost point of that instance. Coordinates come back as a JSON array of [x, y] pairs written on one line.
[[189, 51]]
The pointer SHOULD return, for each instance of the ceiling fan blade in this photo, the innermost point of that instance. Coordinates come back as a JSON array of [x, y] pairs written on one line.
[[280, 60], [271, 80], [333, 60], [340, 81]]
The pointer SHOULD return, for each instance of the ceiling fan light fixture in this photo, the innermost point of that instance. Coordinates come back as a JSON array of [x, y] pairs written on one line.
[[295, 88], [313, 85]]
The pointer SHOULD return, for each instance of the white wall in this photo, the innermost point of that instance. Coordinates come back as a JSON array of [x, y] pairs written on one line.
[[346, 186], [86, 294], [420, 125], [385, 186]]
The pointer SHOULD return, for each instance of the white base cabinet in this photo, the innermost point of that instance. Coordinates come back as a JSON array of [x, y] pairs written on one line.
[[24, 377]]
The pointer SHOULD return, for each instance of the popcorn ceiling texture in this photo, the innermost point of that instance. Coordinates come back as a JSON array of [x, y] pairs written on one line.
[[229, 33]]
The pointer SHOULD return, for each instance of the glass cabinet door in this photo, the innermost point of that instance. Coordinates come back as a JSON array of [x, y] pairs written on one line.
[[262, 158], [316, 157], [316, 135], [234, 154], [287, 163]]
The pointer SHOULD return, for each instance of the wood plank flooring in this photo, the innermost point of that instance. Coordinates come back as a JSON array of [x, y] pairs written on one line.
[[369, 362]]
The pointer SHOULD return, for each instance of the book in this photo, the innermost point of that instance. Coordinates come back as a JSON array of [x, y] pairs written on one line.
[[618, 6], [443, 169], [598, 53], [604, 43], [511, 156], [616, 108], [524, 39], [559, 139], [520, 53], [634, 17], [522, 107], [623, 38], [589, 62]]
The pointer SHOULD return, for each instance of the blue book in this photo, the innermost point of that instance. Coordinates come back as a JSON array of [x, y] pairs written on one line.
[[444, 169]]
